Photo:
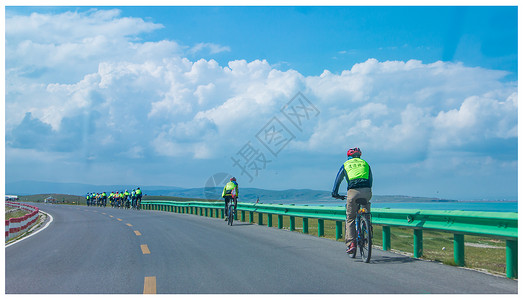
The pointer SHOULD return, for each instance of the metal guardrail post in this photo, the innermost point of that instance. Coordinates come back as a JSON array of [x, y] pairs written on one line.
[[512, 258], [418, 243], [305, 225], [251, 216], [243, 216], [459, 249], [280, 221], [338, 230], [269, 220], [292, 223], [321, 225], [386, 238], [260, 219]]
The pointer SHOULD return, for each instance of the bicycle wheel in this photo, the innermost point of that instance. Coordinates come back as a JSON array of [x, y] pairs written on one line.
[[365, 242], [230, 213]]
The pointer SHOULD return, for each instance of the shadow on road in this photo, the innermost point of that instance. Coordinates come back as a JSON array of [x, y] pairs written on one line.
[[392, 260], [242, 224]]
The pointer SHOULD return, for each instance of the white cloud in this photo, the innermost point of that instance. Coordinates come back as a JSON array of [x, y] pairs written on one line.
[[146, 99], [212, 48]]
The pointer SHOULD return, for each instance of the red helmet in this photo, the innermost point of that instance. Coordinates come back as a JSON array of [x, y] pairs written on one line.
[[233, 178], [355, 152]]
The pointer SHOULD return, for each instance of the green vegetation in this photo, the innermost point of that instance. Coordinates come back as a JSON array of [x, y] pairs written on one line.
[[11, 212], [60, 198]]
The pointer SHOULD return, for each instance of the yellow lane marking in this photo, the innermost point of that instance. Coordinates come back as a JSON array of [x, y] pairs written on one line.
[[129, 225], [145, 249], [137, 232], [149, 285], [118, 219]]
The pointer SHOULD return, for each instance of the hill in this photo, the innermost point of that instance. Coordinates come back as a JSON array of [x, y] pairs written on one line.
[[299, 196], [60, 198]]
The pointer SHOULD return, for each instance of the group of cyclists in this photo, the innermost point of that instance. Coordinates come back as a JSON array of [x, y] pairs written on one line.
[[355, 171], [116, 199]]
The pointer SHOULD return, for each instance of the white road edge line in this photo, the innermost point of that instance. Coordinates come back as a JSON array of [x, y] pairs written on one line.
[[34, 233]]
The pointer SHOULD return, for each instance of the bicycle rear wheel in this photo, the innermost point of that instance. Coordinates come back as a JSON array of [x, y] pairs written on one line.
[[365, 242], [230, 213]]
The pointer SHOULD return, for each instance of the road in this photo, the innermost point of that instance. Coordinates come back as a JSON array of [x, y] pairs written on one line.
[[89, 250]]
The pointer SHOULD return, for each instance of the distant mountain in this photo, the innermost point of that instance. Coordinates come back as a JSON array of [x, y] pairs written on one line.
[[246, 194], [28, 187]]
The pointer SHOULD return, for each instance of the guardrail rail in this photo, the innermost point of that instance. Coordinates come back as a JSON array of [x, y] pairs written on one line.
[[502, 225]]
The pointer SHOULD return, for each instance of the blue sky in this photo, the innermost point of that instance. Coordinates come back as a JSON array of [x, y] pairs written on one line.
[[173, 95]]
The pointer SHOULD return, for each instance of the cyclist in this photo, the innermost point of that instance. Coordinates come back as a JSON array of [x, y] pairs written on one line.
[[117, 199], [104, 199], [138, 195], [358, 174], [127, 199], [88, 199], [133, 198], [230, 192], [111, 199]]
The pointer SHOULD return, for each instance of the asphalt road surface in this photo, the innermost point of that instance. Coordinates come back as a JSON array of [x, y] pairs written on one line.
[[91, 250]]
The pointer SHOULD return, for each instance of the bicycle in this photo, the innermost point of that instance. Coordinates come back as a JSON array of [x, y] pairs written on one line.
[[231, 211], [363, 230]]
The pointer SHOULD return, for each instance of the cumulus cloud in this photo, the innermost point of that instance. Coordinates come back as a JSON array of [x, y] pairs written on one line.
[[75, 78], [211, 47]]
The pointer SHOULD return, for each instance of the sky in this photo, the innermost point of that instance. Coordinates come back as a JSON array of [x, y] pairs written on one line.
[[275, 96]]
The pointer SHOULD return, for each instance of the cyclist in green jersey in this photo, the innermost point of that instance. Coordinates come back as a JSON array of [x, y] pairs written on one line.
[[138, 195], [230, 192], [358, 174]]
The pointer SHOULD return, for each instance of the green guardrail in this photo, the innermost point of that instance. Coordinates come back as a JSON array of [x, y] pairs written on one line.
[[501, 225]]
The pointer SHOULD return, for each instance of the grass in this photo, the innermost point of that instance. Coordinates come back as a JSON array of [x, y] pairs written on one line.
[[15, 213]]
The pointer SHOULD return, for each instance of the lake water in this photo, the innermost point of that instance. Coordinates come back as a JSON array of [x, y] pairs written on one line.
[[496, 206]]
